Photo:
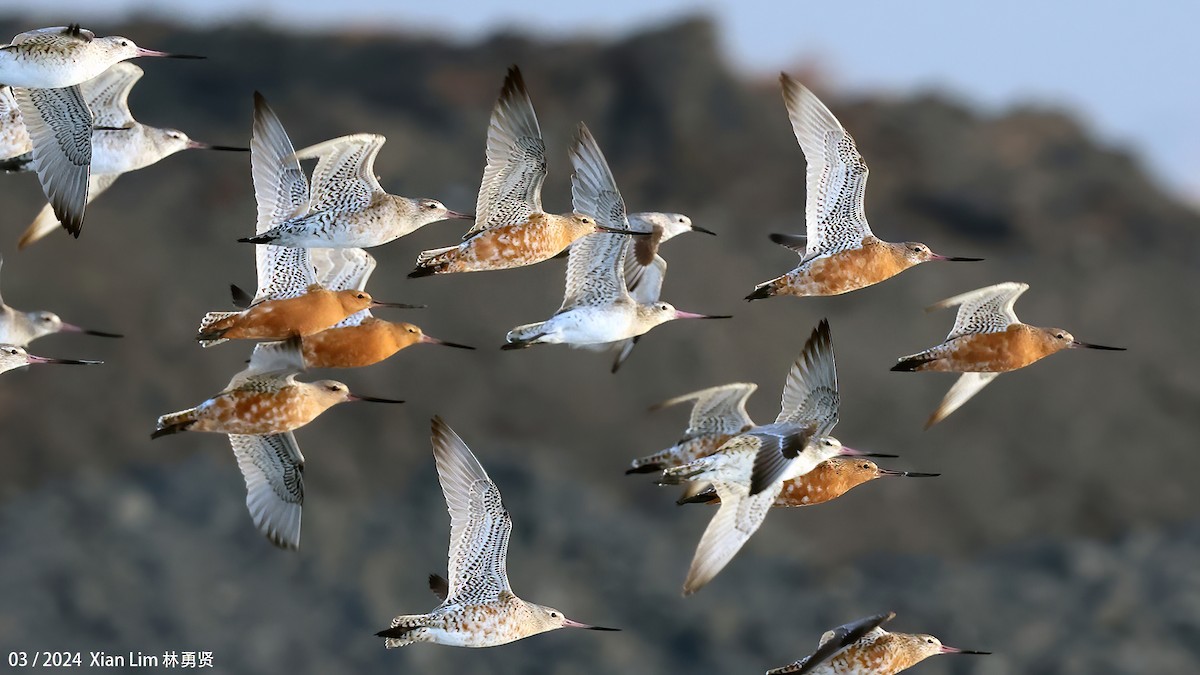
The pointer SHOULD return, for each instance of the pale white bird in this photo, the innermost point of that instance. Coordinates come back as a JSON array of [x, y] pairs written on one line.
[[120, 143], [597, 307], [13, 357], [478, 606], [45, 68], [349, 208]]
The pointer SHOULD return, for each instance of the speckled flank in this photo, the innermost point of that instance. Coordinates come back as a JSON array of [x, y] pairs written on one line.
[[830, 480], [259, 410], [845, 271], [540, 238]]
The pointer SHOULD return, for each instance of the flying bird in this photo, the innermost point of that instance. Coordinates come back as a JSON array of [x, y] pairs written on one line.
[[863, 647], [120, 143], [840, 253], [597, 307], [45, 68], [478, 606], [987, 339]]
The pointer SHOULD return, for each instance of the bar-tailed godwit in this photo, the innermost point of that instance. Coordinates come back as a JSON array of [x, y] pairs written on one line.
[[120, 143], [829, 480], [597, 308], [20, 328], [13, 357], [478, 606], [863, 647], [987, 339], [718, 414], [511, 229], [749, 470], [259, 409], [44, 67], [349, 208], [289, 301], [839, 254]]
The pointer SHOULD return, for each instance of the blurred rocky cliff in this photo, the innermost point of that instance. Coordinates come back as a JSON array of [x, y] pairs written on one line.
[[1062, 534]]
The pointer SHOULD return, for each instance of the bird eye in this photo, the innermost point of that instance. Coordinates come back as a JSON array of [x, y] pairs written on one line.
[[585, 220], [360, 296], [1060, 336], [124, 43], [930, 641], [866, 466], [553, 615]]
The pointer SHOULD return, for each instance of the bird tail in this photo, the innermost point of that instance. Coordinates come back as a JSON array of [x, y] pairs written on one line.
[[433, 261], [678, 475], [42, 225], [659, 461], [211, 328], [405, 630], [914, 363], [18, 164], [173, 423], [524, 336], [764, 290]]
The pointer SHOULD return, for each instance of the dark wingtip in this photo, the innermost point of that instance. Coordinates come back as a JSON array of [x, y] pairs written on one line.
[[166, 431], [645, 468], [909, 365], [257, 239], [419, 272], [760, 293]]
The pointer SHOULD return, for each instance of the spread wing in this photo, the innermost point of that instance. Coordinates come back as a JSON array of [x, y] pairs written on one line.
[[341, 269], [596, 264], [740, 515], [107, 95], [811, 392], [60, 129], [985, 310], [344, 179], [281, 191], [516, 160], [274, 471], [594, 271], [717, 410], [836, 177], [967, 385], [834, 641], [479, 524]]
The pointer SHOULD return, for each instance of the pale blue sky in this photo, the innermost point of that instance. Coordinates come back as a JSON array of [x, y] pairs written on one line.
[[1128, 68]]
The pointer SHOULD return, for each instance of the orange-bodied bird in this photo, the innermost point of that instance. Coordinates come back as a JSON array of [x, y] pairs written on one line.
[[987, 339], [511, 229], [840, 254], [863, 647], [830, 480], [259, 409]]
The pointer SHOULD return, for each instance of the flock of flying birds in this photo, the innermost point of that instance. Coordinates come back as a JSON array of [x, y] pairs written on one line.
[[64, 115]]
